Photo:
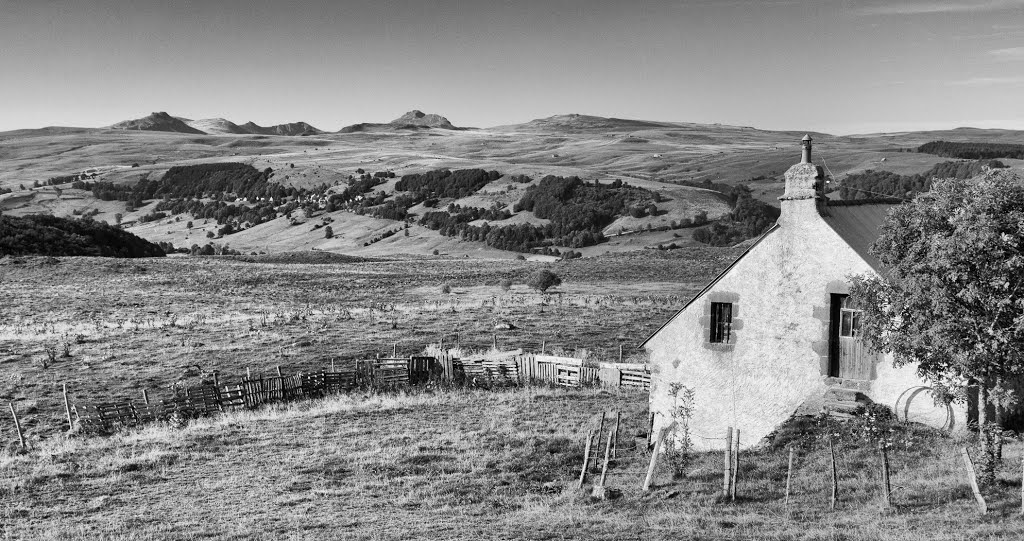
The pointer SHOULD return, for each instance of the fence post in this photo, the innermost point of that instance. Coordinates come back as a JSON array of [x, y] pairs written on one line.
[[543, 344], [600, 434], [620, 353], [394, 351], [972, 478], [145, 397], [67, 408], [735, 464], [654, 457], [835, 476], [17, 425], [886, 486], [279, 371], [586, 458], [607, 456], [789, 476], [727, 468], [615, 441]]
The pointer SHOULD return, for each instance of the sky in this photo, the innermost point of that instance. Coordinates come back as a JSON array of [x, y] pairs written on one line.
[[836, 66]]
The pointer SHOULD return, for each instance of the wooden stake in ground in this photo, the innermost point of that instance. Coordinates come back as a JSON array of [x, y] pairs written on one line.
[[145, 397], [607, 457], [654, 456], [67, 408], [789, 476], [615, 440], [598, 491], [972, 478], [17, 425], [735, 464], [886, 486], [835, 476], [620, 353], [279, 371], [586, 458], [650, 431], [727, 468], [1022, 485], [600, 436], [543, 343]]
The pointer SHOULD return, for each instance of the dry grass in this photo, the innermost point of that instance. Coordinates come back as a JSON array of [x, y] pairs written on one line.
[[146, 324], [468, 465]]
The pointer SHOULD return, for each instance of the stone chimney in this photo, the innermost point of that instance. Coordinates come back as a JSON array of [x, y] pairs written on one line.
[[804, 198]]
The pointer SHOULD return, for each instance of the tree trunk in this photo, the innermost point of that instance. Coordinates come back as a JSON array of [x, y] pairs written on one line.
[[985, 433]]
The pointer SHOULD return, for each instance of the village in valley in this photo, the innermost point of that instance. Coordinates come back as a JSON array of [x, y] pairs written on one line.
[[798, 316]]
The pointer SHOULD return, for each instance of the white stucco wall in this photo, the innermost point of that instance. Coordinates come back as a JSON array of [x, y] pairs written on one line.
[[781, 293]]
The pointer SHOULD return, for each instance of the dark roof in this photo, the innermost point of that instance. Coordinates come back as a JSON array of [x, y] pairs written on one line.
[[858, 225], [710, 285]]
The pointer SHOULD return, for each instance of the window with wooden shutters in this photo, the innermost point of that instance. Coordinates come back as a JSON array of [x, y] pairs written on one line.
[[721, 322]]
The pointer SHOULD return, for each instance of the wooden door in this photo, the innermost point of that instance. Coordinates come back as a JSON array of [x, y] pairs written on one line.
[[848, 358]]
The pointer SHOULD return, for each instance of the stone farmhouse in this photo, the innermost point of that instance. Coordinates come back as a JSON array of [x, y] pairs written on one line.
[[774, 335]]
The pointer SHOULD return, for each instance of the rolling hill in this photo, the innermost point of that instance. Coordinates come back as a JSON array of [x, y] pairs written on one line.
[[650, 155], [157, 122]]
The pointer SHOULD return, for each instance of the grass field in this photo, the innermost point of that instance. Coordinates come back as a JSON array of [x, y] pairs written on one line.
[[475, 465], [461, 464], [146, 324]]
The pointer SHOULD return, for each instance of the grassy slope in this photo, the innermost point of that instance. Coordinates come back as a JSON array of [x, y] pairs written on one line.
[[469, 465]]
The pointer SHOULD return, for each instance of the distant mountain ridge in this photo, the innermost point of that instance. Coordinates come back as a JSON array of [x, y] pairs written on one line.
[[413, 120], [164, 122]]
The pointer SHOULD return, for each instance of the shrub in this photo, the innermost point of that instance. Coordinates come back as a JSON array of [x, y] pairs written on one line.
[[446, 289], [506, 284], [328, 232], [543, 279]]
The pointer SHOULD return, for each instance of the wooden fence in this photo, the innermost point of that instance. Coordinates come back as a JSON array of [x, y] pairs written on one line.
[[510, 368]]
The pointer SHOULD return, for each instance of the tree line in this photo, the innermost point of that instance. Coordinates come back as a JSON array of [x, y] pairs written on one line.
[[973, 151], [873, 184], [52, 236]]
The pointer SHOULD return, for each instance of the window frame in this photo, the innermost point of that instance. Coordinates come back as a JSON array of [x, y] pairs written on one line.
[[721, 323], [849, 320]]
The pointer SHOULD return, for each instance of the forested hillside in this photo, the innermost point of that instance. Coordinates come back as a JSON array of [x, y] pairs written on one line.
[[577, 211], [973, 151], [749, 218], [873, 184], [53, 236]]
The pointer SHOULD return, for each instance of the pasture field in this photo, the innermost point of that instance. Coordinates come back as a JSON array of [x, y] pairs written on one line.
[[426, 464], [129, 325], [475, 464]]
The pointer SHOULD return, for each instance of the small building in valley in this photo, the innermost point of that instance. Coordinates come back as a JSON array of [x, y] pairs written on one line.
[[774, 334]]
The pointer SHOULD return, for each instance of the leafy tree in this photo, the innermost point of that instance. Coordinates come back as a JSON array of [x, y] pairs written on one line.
[[952, 299], [328, 232], [543, 279]]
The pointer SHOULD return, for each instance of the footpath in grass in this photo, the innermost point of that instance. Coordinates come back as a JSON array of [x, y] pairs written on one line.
[[475, 464]]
